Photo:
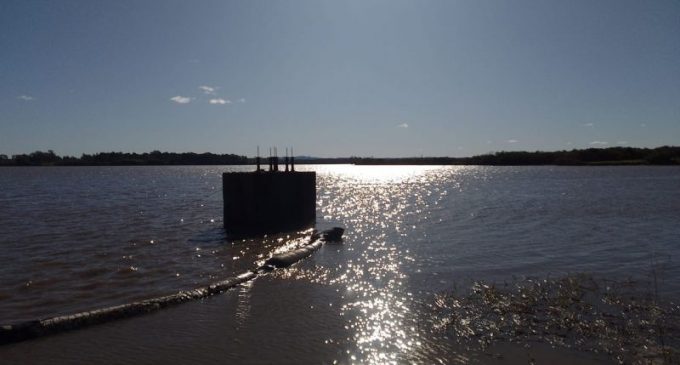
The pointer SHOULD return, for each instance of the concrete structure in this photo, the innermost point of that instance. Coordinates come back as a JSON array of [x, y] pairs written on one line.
[[268, 201]]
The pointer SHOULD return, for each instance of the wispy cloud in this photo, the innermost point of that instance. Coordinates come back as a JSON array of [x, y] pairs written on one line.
[[209, 90], [512, 141], [599, 143], [590, 125], [242, 100], [25, 97], [402, 125], [622, 142], [219, 101], [643, 125], [181, 99]]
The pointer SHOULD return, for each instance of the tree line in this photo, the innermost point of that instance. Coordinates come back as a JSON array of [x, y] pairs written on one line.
[[666, 155], [49, 158]]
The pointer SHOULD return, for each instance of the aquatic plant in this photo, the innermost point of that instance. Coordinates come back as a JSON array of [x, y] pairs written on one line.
[[623, 319]]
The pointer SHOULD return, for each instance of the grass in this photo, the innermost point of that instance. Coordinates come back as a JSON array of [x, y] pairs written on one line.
[[624, 319]]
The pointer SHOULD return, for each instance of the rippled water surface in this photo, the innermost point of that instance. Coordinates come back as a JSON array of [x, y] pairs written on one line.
[[79, 238]]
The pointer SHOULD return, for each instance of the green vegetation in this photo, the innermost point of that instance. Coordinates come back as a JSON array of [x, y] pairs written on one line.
[[623, 319], [49, 158], [666, 155]]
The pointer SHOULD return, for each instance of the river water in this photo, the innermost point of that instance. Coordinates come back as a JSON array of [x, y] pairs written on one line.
[[79, 238]]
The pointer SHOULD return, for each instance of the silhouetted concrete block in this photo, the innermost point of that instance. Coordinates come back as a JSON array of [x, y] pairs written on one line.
[[268, 202]]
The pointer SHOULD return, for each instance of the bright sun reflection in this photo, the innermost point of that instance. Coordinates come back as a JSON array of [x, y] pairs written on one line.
[[381, 208], [375, 203], [374, 174]]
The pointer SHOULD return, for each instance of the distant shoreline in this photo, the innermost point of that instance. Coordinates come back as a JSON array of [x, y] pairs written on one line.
[[366, 163], [613, 156]]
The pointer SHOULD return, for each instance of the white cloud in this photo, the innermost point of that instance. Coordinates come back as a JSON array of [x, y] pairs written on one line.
[[599, 143], [242, 100], [512, 141], [622, 142], [25, 97], [181, 99], [588, 124], [219, 101], [402, 125], [210, 90]]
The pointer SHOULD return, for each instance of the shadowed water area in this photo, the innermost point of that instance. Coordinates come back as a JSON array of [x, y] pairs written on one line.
[[77, 238]]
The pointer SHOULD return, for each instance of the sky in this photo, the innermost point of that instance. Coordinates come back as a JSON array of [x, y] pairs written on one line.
[[338, 78]]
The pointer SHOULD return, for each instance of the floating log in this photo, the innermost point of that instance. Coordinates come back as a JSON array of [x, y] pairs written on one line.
[[37, 328]]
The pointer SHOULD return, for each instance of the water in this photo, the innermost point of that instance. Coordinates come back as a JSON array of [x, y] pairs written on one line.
[[80, 238]]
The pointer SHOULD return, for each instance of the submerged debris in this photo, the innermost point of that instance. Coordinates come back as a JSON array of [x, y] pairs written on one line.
[[623, 319]]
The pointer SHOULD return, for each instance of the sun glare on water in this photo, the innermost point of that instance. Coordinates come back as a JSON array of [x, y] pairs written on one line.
[[375, 202], [374, 174]]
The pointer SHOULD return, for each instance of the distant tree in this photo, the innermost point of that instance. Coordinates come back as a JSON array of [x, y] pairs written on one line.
[[43, 158], [662, 155]]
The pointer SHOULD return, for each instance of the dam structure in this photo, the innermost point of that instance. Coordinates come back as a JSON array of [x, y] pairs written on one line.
[[269, 201]]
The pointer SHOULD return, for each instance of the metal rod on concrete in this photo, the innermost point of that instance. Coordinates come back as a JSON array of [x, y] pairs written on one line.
[[286, 159], [257, 159], [271, 160]]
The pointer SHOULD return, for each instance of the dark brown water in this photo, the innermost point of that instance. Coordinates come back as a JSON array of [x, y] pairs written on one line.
[[80, 238]]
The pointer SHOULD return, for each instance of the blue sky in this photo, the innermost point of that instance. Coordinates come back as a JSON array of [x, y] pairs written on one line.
[[331, 78]]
